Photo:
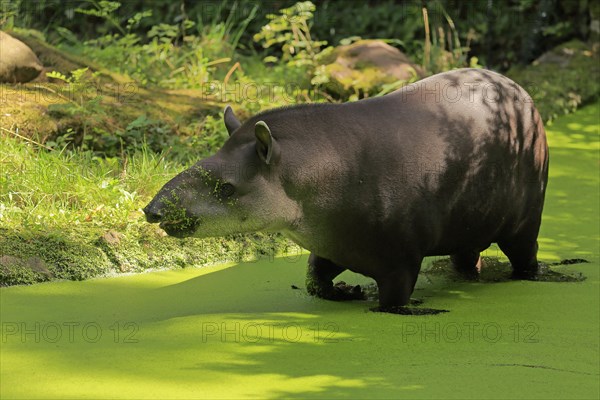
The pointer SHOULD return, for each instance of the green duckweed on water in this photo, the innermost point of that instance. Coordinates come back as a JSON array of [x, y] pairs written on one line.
[[241, 331]]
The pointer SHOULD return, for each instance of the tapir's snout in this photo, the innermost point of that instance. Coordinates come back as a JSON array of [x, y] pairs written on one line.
[[179, 225], [153, 213]]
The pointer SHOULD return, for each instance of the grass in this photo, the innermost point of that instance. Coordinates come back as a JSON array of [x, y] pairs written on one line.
[[239, 330], [54, 189], [72, 215]]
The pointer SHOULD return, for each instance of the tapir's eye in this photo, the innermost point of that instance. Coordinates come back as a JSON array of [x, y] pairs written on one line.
[[226, 190]]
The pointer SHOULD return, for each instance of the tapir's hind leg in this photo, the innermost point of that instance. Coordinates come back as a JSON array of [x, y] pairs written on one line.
[[521, 250], [465, 263], [319, 277]]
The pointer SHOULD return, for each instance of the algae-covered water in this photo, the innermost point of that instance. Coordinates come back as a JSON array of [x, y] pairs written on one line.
[[241, 330]]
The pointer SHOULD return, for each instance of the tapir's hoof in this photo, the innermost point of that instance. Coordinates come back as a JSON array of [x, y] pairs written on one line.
[[343, 291], [525, 275], [404, 310]]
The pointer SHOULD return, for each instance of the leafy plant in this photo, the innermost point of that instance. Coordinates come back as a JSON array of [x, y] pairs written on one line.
[[554, 97], [10, 10], [182, 55], [79, 91], [105, 10], [442, 49], [291, 31]]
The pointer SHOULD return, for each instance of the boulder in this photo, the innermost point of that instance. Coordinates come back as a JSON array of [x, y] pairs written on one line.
[[18, 63], [367, 65]]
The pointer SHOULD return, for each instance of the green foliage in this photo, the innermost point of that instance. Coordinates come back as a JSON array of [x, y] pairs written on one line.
[[62, 188], [212, 134], [156, 135], [501, 33], [103, 9], [338, 21], [291, 31], [81, 99], [226, 27], [139, 132], [442, 48], [159, 137], [18, 273], [182, 55], [554, 96], [77, 92], [9, 10], [64, 257], [512, 33]]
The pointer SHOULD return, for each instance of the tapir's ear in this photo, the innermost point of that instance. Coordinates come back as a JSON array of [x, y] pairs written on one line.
[[265, 144], [231, 122]]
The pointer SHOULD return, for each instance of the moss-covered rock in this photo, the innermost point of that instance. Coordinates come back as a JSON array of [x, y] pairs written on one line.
[[35, 257], [15, 270], [366, 66]]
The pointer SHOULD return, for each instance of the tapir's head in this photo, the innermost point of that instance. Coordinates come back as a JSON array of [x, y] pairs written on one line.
[[236, 190]]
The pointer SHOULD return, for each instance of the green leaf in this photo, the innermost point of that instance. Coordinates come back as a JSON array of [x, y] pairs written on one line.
[[57, 75], [78, 74], [270, 59]]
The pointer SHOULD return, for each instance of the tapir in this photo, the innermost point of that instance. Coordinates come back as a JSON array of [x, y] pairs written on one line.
[[444, 166]]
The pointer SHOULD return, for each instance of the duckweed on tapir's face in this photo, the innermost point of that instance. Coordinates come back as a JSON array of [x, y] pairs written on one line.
[[196, 198], [216, 198]]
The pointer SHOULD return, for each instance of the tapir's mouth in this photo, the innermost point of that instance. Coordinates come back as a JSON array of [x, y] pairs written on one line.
[[179, 228]]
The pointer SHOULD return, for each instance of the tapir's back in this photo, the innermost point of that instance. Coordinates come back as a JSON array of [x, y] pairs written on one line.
[[452, 112]]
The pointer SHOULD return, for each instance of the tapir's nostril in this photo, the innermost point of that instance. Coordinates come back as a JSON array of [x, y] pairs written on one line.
[[152, 215]]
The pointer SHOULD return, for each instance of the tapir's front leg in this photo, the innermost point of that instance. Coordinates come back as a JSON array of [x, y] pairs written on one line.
[[319, 281], [396, 286]]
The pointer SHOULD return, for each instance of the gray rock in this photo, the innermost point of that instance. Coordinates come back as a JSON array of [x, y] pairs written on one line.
[[35, 264], [18, 63], [38, 265]]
